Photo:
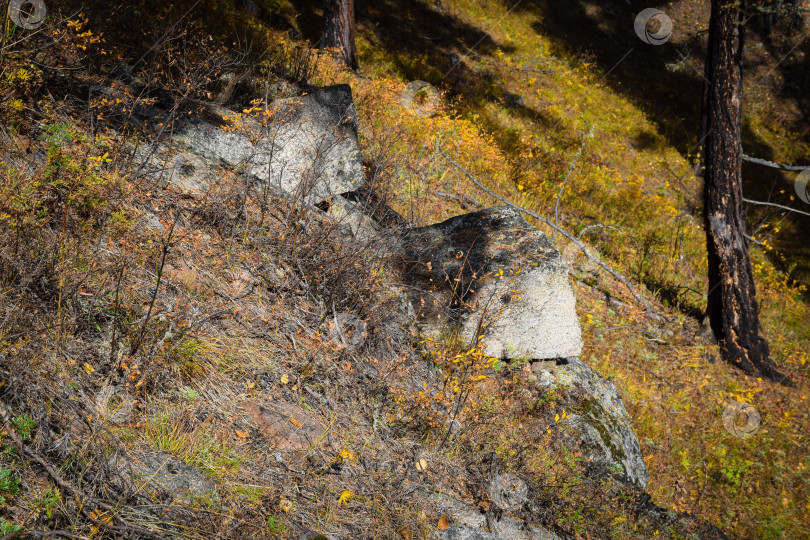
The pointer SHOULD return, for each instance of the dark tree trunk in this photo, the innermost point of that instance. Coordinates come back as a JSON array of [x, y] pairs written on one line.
[[732, 306], [338, 30]]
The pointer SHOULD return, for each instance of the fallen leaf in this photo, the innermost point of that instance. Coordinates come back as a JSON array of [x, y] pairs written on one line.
[[444, 523], [295, 422], [285, 379], [88, 368], [240, 434], [421, 465], [101, 516]]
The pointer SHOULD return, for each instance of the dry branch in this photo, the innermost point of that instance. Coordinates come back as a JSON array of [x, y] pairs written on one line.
[[648, 308], [567, 176], [763, 203], [773, 165]]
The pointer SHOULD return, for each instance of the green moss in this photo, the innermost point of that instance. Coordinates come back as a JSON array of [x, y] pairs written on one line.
[[594, 412]]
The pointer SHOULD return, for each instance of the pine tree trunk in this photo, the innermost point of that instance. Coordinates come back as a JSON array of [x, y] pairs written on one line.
[[338, 30], [732, 306]]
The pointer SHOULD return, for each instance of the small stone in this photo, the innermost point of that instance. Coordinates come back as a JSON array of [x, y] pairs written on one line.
[[508, 491]]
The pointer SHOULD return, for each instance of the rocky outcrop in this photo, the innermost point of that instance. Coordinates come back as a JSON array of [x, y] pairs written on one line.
[[307, 148], [598, 424], [488, 276], [493, 276]]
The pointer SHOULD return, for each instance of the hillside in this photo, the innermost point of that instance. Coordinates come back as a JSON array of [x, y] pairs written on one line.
[[196, 345]]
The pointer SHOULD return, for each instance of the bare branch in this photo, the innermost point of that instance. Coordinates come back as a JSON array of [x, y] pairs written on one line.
[[650, 311], [465, 201], [773, 165], [567, 176], [789, 209]]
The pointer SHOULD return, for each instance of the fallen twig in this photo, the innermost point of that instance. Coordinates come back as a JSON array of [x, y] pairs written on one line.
[[43, 534]]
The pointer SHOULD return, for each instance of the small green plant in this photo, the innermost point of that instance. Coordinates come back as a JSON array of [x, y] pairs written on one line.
[[9, 486], [197, 448], [274, 526], [734, 468], [7, 527], [189, 394], [23, 425], [46, 502]]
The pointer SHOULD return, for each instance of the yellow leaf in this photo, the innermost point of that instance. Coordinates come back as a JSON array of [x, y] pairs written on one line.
[[556, 417], [285, 379], [444, 523], [88, 368], [101, 516], [345, 497], [421, 465], [295, 422], [240, 434]]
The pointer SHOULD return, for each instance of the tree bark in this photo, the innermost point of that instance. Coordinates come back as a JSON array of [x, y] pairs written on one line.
[[732, 306], [338, 30]]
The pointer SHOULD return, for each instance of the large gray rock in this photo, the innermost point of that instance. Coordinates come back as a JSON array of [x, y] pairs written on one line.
[[468, 522], [464, 532], [598, 424], [459, 512], [307, 150], [162, 471], [352, 217], [491, 274], [510, 529]]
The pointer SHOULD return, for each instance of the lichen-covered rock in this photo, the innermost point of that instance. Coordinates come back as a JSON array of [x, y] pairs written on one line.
[[512, 529], [352, 219], [287, 426], [184, 170], [161, 471], [507, 529], [598, 424], [491, 274], [464, 532], [307, 149], [467, 522]]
